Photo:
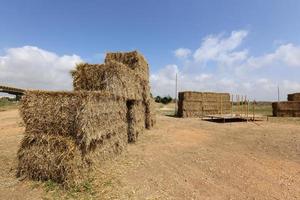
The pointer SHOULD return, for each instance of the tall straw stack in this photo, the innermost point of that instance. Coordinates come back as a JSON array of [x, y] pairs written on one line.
[[123, 74], [68, 133]]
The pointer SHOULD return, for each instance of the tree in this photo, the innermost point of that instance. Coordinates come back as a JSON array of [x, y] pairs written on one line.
[[166, 100], [158, 99]]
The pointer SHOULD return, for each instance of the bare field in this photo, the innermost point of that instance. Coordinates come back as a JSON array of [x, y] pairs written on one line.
[[178, 159]]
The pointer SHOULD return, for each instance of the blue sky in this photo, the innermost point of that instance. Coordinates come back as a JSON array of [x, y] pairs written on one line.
[[249, 53]]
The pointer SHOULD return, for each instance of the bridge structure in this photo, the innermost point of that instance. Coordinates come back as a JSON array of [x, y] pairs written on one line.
[[11, 90]]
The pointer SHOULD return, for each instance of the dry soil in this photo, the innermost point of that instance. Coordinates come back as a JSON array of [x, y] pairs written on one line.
[[180, 159]]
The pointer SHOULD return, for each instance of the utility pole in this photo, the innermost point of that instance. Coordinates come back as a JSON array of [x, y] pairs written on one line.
[[278, 93], [176, 95]]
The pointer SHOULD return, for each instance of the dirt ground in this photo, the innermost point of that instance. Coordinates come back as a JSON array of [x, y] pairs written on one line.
[[179, 159]]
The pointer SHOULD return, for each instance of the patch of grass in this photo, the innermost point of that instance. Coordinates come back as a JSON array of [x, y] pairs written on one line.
[[261, 108], [54, 190], [51, 186], [165, 109], [6, 104]]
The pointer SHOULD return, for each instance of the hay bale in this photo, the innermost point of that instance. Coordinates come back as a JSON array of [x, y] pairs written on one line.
[[68, 127], [113, 77], [52, 113], [150, 113], [85, 116], [136, 119], [286, 109], [196, 104], [133, 60], [294, 97], [45, 157]]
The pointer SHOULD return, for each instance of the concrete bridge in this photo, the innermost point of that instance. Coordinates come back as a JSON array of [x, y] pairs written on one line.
[[11, 90]]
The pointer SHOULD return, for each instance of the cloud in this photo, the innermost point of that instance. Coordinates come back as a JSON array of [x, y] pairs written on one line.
[[163, 82], [220, 64], [182, 52], [287, 55], [218, 48], [35, 68]]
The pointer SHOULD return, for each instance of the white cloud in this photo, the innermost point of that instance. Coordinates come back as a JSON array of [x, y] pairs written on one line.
[[291, 86], [218, 48], [163, 82], [287, 55], [35, 68], [182, 52]]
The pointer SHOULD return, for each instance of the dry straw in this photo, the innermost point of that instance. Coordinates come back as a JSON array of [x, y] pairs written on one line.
[[66, 126], [286, 109], [198, 104], [294, 97], [69, 133]]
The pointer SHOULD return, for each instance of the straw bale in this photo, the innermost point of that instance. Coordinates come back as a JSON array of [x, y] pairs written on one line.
[[203, 96], [286, 109], [112, 76], [191, 114], [63, 128], [136, 119], [85, 116], [150, 113], [45, 157], [50, 112], [196, 104], [294, 97], [105, 149], [101, 118], [133, 60]]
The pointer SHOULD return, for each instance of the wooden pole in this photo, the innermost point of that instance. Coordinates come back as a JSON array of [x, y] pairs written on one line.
[[202, 106], [237, 105], [231, 105], [247, 110], [242, 106], [245, 105], [278, 96], [253, 110], [221, 106]]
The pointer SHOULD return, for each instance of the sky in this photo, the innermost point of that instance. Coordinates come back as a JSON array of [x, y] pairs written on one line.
[[248, 47]]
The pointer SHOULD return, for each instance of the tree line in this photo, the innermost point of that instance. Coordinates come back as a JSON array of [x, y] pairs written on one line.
[[164, 100]]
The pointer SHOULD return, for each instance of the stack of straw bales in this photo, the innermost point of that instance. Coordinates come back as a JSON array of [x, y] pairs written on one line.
[[198, 104], [123, 74], [68, 133], [290, 108]]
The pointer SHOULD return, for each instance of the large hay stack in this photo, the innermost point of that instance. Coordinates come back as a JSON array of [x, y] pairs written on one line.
[[198, 104], [123, 74], [67, 133], [290, 108]]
